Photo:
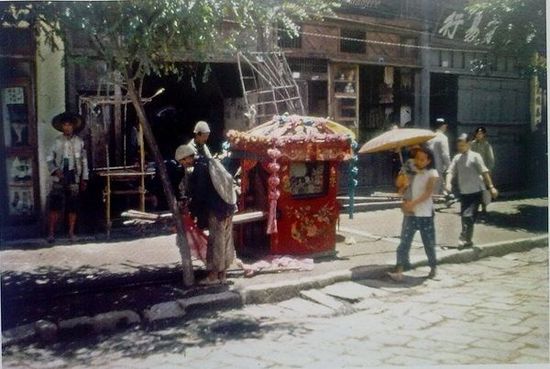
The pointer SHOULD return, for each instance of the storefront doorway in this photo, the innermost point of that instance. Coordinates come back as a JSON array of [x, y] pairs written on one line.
[[386, 99], [444, 100]]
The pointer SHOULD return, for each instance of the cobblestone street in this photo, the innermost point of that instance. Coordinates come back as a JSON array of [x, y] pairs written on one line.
[[491, 311]]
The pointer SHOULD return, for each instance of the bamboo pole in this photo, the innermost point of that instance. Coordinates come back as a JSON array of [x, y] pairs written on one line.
[[183, 247]]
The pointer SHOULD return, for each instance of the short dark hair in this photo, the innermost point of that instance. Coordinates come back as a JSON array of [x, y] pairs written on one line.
[[430, 155]]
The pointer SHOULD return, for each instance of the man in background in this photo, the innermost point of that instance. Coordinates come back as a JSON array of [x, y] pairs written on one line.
[[439, 145], [202, 133], [473, 178], [480, 145]]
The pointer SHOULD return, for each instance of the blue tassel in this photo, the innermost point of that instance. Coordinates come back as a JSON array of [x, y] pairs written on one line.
[[352, 184]]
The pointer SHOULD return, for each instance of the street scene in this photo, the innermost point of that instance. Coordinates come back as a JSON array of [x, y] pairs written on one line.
[[273, 184]]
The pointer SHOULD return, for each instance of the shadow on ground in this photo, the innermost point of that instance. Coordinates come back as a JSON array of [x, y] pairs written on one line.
[[56, 294], [136, 343], [528, 218]]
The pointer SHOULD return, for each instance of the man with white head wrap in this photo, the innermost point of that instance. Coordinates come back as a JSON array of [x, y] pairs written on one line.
[[202, 133]]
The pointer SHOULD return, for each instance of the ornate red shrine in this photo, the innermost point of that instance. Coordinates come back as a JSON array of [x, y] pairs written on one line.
[[289, 170]]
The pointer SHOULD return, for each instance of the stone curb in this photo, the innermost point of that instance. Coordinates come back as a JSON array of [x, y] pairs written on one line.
[[46, 331], [276, 292]]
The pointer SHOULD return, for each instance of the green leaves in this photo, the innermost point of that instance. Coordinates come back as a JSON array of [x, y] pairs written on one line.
[[518, 27], [150, 36]]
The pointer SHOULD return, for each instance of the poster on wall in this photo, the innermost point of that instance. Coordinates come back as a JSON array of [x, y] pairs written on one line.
[[21, 200], [19, 170], [14, 117], [17, 114]]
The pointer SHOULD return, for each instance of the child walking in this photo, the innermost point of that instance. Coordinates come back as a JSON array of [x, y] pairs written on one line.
[[418, 214]]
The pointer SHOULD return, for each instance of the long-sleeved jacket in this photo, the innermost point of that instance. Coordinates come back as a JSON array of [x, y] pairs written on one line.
[[484, 149], [440, 147], [72, 149]]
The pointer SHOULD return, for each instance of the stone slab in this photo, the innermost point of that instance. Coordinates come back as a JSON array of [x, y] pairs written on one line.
[[19, 334], [224, 300], [350, 291], [322, 299], [115, 319], [163, 311], [305, 307]]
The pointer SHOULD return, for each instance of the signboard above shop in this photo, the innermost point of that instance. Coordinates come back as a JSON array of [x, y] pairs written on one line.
[[458, 24]]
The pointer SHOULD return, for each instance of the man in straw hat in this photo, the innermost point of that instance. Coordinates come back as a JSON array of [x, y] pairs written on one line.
[[473, 178], [68, 166]]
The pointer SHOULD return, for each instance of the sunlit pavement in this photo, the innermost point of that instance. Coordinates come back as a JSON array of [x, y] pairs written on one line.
[[491, 311]]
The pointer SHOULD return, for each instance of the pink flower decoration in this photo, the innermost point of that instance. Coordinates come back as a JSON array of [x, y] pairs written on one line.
[[274, 167], [274, 181], [274, 153]]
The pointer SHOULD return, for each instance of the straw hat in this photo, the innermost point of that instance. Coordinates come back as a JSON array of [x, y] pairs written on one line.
[[75, 119]]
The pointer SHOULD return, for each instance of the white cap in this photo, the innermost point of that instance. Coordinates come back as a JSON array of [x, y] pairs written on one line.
[[201, 127], [463, 137], [184, 151]]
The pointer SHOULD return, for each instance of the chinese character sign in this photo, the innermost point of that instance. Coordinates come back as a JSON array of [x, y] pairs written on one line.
[[473, 32], [458, 26], [451, 24]]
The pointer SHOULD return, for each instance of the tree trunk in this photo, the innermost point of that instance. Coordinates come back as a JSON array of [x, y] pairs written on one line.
[[183, 246]]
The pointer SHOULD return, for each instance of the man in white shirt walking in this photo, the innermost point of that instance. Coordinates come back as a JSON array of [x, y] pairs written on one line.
[[473, 178], [439, 145]]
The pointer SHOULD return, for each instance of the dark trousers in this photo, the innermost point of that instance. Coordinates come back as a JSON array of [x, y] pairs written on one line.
[[426, 227], [469, 209]]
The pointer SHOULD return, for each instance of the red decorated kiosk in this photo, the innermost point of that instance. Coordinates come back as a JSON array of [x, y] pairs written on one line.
[[289, 172]]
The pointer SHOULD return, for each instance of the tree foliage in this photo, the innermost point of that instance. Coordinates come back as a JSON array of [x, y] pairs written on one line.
[[518, 28], [150, 36]]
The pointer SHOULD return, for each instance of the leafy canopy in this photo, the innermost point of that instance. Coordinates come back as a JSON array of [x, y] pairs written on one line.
[[518, 27], [149, 36]]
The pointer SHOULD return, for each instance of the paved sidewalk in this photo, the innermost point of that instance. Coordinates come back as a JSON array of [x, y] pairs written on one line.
[[493, 311], [374, 234]]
